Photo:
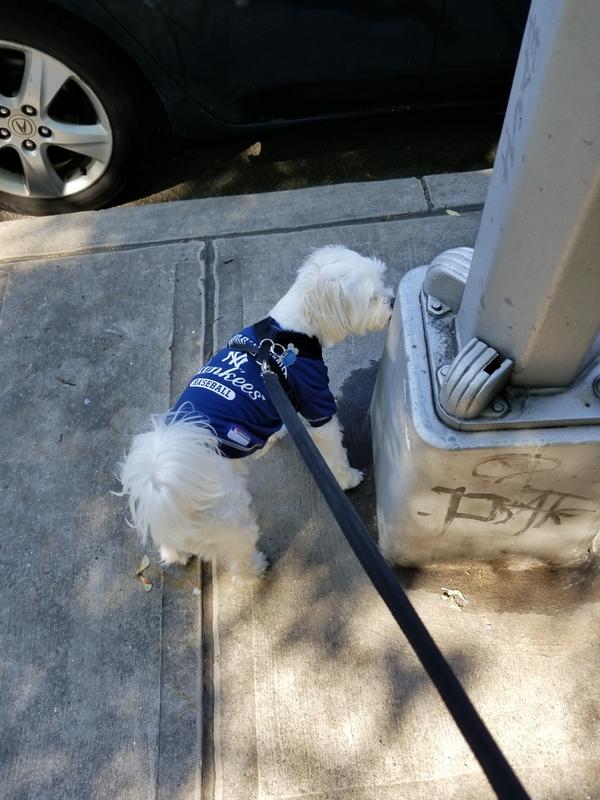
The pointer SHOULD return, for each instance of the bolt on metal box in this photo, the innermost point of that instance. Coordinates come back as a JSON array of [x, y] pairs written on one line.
[[505, 493]]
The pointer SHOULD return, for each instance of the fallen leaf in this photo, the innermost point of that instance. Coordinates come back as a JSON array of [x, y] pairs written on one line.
[[144, 564], [254, 150], [147, 582]]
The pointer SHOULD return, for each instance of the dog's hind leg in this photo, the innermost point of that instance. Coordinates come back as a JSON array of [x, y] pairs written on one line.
[[228, 532], [235, 545], [231, 534], [276, 437], [328, 439], [248, 564], [169, 555]]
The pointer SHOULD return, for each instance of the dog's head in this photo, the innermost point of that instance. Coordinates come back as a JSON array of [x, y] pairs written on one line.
[[342, 293]]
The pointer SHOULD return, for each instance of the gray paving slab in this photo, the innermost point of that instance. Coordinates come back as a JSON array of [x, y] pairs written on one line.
[[316, 692], [457, 189], [300, 685], [217, 216], [86, 356]]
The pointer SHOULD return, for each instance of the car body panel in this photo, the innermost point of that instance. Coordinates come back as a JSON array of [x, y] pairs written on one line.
[[187, 118], [252, 61], [222, 66], [477, 48]]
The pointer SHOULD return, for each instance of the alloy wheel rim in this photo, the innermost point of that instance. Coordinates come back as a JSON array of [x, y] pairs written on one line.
[[55, 135]]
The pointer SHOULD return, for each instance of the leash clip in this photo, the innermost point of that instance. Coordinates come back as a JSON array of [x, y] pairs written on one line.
[[266, 350]]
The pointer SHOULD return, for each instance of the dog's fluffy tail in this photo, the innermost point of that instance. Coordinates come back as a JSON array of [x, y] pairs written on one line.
[[172, 474]]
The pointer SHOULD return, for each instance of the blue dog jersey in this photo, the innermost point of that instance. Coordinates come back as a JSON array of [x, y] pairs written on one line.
[[229, 393]]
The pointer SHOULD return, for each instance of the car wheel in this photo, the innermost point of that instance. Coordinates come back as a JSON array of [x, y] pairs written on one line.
[[69, 125]]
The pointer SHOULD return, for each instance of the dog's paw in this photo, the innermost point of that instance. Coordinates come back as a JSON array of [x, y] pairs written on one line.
[[351, 479], [168, 555], [247, 572], [261, 562]]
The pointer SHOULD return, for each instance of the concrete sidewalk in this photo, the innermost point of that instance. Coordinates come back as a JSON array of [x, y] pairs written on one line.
[[299, 686]]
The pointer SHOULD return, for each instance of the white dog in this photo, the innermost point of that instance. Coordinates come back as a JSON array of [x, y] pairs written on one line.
[[184, 477]]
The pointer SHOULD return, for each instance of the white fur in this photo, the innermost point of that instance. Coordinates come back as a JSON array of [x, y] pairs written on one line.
[[190, 499]]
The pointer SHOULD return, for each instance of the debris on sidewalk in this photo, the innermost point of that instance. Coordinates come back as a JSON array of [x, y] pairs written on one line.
[[456, 596], [252, 152], [144, 564]]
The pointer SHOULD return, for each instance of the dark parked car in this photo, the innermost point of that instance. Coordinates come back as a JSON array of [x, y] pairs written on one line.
[[90, 90]]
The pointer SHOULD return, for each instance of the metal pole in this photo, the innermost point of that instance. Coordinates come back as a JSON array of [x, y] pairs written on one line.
[[533, 289]]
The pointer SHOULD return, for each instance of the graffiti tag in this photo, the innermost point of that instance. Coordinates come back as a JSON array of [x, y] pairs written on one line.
[[509, 465], [531, 508]]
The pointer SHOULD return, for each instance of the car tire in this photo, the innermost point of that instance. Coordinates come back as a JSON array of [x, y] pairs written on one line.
[[103, 84]]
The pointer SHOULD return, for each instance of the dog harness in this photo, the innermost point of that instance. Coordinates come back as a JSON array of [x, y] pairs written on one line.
[[228, 393]]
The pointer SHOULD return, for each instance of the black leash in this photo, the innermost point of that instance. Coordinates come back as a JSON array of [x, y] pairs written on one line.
[[499, 773]]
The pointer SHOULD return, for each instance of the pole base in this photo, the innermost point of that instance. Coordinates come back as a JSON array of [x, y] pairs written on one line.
[[518, 496]]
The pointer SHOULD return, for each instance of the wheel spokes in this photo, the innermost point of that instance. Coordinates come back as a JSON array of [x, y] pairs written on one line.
[[7, 102], [42, 79], [41, 179], [55, 135], [88, 140]]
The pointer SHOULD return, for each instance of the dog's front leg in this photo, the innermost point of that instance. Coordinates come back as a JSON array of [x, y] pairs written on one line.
[[328, 439]]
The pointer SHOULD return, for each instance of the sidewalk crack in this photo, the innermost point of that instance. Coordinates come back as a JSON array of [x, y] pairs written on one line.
[[427, 194], [180, 713]]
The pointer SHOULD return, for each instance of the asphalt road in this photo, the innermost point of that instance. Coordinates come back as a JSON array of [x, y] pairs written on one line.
[[393, 146]]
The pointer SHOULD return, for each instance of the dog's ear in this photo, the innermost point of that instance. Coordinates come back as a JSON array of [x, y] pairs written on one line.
[[336, 307]]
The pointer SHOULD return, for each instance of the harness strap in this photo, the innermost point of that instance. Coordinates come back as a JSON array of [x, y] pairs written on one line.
[[264, 355]]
